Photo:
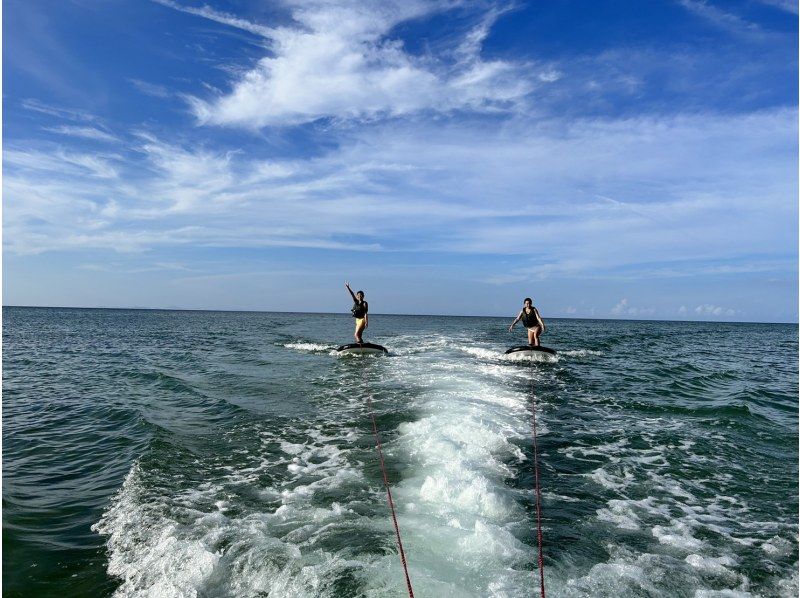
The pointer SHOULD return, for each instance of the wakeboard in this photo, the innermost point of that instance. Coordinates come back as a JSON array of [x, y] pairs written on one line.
[[362, 349], [530, 351]]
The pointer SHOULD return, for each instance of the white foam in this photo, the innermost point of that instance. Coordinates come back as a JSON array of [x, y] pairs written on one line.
[[536, 357], [292, 448], [610, 451], [309, 347], [719, 566], [619, 577], [621, 514], [167, 543], [580, 353], [727, 593], [789, 586], [480, 352], [459, 516], [466, 527], [610, 480], [778, 546], [144, 547], [678, 535]]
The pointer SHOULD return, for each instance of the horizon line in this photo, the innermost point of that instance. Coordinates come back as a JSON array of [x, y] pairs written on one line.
[[259, 311]]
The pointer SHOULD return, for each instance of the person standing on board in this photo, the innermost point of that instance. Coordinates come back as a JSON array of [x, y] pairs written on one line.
[[360, 311], [531, 320]]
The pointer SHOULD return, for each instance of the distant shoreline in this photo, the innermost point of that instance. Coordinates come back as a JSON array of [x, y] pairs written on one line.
[[256, 311]]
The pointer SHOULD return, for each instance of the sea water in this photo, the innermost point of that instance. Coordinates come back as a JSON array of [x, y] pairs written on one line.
[[165, 453]]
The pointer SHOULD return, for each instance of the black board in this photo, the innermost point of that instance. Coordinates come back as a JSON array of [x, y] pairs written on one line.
[[530, 350], [363, 349]]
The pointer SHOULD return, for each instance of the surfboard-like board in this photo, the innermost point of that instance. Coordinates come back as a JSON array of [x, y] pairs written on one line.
[[363, 349], [529, 351]]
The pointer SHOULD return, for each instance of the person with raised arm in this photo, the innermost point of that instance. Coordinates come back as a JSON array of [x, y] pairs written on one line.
[[360, 311], [531, 320]]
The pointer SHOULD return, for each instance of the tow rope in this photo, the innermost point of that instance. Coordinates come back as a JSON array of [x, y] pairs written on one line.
[[389, 495], [538, 488]]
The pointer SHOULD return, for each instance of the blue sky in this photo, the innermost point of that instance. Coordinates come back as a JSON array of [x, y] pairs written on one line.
[[610, 159]]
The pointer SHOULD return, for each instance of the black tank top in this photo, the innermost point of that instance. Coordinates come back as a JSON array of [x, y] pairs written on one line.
[[529, 320]]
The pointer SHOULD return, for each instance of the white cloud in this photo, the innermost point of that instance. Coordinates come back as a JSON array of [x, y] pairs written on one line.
[[657, 197], [623, 308], [84, 132], [716, 311], [550, 75], [340, 61], [620, 308]]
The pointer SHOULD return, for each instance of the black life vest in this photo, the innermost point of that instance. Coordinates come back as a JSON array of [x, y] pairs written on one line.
[[529, 320], [359, 310]]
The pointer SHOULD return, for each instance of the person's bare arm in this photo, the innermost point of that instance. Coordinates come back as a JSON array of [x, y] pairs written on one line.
[[517, 319], [539, 320], [352, 294], [366, 314]]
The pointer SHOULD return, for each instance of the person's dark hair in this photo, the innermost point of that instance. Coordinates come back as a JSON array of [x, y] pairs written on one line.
[[528, 299], [360, 293]]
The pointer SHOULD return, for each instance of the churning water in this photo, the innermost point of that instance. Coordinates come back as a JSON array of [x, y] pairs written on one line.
[[155, 453]]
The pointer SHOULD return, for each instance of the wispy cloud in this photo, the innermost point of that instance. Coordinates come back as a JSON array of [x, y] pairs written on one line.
[[153, 267], [57, 111], [224, 18], [83, 132], [720, 18], [692, 191], [151, 89], [60, 163], [339, 61]]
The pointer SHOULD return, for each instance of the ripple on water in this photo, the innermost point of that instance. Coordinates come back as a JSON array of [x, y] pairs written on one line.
[[230, 454]]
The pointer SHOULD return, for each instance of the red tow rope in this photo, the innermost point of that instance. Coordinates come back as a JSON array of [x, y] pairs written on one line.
[[538, 489], [389, 496]]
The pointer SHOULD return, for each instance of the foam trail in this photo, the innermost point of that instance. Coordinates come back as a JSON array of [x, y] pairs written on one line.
[[632, 505], [462, 524], [309, 347], [283, 539]]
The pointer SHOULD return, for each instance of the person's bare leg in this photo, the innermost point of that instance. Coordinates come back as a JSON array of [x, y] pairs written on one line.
[[535, 330], [359, 330], [531, 336]]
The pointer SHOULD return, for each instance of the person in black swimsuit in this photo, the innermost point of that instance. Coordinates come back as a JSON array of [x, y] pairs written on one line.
[[531, 320], [360, 311]]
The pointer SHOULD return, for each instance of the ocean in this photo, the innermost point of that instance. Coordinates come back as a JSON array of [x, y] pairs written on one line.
[[169, 453]]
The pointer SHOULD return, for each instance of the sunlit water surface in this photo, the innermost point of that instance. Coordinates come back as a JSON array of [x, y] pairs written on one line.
[[155, 453]]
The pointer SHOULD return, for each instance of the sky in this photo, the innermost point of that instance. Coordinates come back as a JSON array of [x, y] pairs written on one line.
[[610, 159]]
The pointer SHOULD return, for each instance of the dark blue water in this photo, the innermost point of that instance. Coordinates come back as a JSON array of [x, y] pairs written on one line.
[[151, 453]]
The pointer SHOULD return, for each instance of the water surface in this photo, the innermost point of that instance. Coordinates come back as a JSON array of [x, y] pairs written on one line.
[[158, 453]]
